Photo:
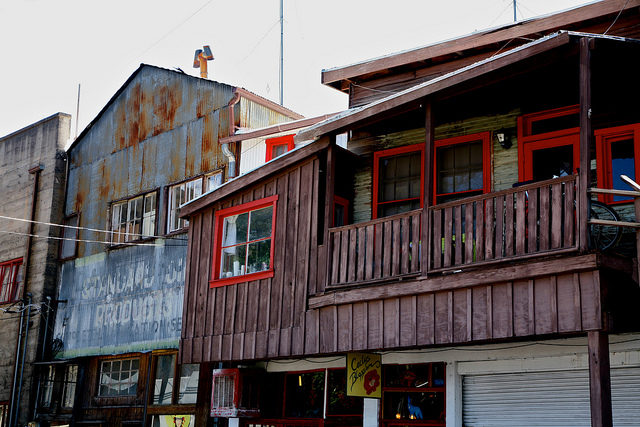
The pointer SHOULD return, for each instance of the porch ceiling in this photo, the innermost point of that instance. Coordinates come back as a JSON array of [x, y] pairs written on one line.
[[354, 117]]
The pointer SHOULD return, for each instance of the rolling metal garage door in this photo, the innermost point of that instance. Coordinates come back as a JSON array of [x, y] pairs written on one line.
[[558, 399]]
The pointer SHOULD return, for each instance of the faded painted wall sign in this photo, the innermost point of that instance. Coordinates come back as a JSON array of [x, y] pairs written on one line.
[[128, 299], [364, 373]]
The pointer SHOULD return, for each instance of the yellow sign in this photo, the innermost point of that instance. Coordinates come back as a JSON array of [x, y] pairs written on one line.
[[364, 375]]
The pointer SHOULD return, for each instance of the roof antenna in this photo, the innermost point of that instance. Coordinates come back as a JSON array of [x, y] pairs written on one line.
[[78, 110], [200, 60]]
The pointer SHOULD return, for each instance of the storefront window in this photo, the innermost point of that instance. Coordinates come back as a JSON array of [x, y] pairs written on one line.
[[189, 375], [163, 387], [304, 395], [414, 394]]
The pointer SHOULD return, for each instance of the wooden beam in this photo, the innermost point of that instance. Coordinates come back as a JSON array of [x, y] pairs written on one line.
[[533, 29], [428, 185], [600, 379], [484, 276], [330, 180], [585, 142]]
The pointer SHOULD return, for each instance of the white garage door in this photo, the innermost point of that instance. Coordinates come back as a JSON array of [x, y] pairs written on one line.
[[549, 399]]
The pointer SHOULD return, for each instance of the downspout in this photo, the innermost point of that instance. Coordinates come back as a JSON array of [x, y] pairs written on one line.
[[35, 171], [42, 354], [232, 130]]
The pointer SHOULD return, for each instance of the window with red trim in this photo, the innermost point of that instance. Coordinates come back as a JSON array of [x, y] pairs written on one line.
[[278, 146], [461, 167], [398, 180], [617, 153], [244, 242], [9, 283], [548, 143]]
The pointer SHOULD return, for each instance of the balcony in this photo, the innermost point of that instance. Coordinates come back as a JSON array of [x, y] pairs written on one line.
[[528, 221]]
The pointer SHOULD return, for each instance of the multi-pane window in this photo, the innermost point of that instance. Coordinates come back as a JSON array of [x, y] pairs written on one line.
[[4, 414], [245, 240], [69, 385], [180, 194], [46, 386], [213, 180], [133, 219], [9, 280], [164, 373], [398, 177], [119, 377], [461, 167]]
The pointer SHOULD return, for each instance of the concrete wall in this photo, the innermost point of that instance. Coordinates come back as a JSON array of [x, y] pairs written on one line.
[[41, 143]]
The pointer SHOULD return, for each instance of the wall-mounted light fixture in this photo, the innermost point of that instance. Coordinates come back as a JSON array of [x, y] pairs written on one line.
[[503, 137]]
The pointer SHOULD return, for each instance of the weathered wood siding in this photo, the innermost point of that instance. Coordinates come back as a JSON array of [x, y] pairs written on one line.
[[559, 303], [264, 318], [504, 162]]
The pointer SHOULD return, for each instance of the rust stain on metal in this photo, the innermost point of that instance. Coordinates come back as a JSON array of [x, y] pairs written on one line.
[[145, 107], [120, 127], [105, 182], [201, 106], [174, 101], [83, 191], [189, 158], [207, 143], [133, 110], [160, 109]]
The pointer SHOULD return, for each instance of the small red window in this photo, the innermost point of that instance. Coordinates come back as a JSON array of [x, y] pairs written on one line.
[[244, 242], [617, 153], [9, 282], [278, 146], [340, 211]]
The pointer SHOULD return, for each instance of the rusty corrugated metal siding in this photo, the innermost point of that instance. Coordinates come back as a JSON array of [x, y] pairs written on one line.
[[164, 127], [257, 115]]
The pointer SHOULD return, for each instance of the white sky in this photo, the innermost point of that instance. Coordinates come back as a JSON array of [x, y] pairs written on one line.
[[48, 47]]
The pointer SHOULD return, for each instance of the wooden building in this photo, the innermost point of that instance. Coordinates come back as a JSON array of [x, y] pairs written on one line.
[[153, 147], [461, 237]]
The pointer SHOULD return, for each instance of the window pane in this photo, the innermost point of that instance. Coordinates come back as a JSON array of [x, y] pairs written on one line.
[[163, 389], [214, 181], [338, 402], [259, 256], [235, 229], [459, 167], [622, 163], [553, 161], [304, 395], [69, 391], [233, 261], [188, 383], [278, 150], [399, 178], [119, 378], [69, 246], [260, 226]]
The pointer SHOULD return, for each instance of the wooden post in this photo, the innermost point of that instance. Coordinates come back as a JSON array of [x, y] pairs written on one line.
[[585, 142], [600, 379], [328, 207], [428, 185]]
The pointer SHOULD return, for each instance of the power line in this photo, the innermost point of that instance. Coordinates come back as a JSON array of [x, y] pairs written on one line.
[[616, 19], [104, 242]]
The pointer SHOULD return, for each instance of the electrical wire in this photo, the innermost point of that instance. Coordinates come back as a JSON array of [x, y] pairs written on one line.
[[616, 19], [104, 242]]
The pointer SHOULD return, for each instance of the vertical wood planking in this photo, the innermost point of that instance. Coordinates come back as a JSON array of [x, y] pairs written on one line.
[[345, 327], [391, 316], [370, 260], [521, 319], [344, 256], [499, 226], [292, 242], [488, 229], [458, 228], [335, 255], [569, 214], [360, 326], [469, 239], [479, 316], [313, 239], [448, 236], [460, 331], [479, 231], [405, 241], [376, 327], [508, 225], [520, 222], [415, 242], [303, 254], [396, 247], [277, 281], [556, 215], [545, 213], [425, 319], [408, 321], [387, 258], [443, 325], [377, 259], [362, 253], [353, 239], [194, 276], [532, 216], [436, 249]]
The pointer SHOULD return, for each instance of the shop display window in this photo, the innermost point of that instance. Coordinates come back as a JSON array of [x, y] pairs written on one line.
[[414, 394]]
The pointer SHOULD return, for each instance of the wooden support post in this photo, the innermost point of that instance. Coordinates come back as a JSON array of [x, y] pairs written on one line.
[[328, 207], [428, 185], [585, 142], [600, 379]]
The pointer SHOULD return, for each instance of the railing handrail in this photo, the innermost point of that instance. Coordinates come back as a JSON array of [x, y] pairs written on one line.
[[518, 189], [376, 221]]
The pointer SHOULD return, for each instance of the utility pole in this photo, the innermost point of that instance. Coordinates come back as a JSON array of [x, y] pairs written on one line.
[[281, 51]]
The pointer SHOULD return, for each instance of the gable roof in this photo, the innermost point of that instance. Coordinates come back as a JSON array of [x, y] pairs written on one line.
[[523, 29], [241, 92], [341, 121]]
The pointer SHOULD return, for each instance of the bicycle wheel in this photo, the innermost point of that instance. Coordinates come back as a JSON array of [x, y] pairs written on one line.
[[604, 237]]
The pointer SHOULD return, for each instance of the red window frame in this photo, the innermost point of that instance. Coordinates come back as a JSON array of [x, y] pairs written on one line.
[[220, 215], [604, 138], [12, 268], [376, 171], [276, 142], [485, 137], [528, 142]]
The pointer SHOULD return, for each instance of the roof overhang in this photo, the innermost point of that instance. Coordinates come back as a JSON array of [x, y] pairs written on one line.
[[274, 129], [351, 118], [531, 28]]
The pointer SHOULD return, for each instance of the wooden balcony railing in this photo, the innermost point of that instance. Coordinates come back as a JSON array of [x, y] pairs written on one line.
[[527, 221], [375, 250]]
